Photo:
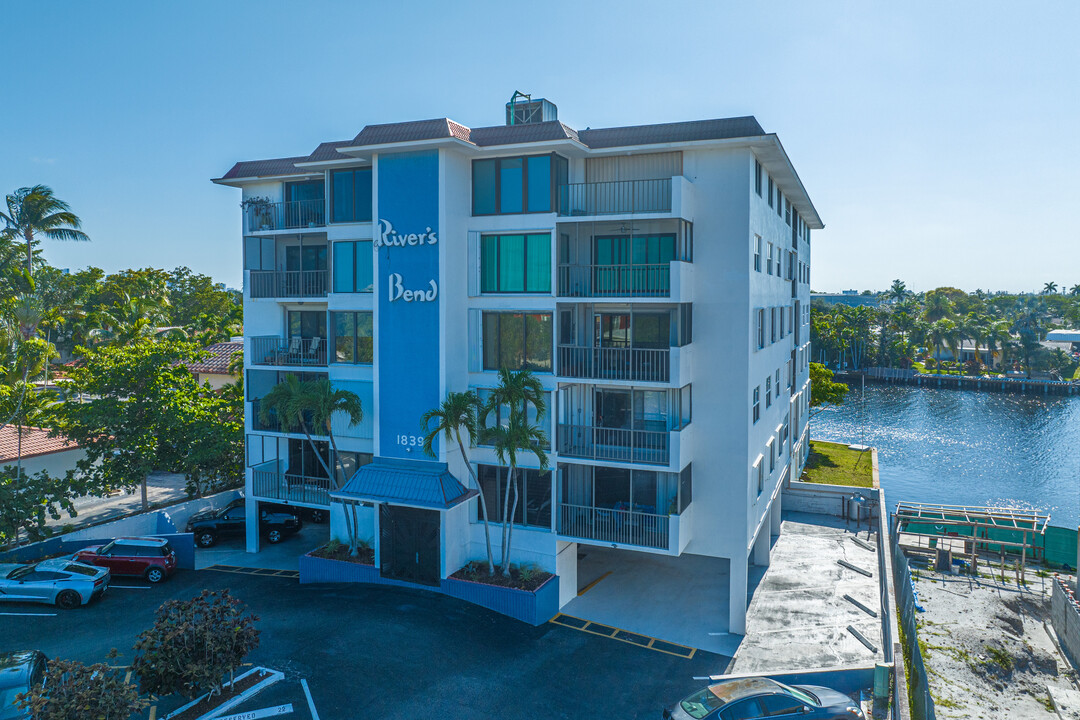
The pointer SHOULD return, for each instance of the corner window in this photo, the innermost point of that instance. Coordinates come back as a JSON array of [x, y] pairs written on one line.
[[770, 191], [757, 404], [757, 177], [352, 337], [768, 392], [760, 328], [515, 263], [350, 195], [787, 212], [757, 253], [779, 202], [513, 185], [353, 267], [769, 260]]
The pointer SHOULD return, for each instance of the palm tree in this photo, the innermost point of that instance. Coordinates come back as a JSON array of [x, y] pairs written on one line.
[[310, 405], [1049, 288], [897, 291], [936, 306], [457, 412], [35, 210], [516, 391], [942, 333], [513, 436], [1075, 290]]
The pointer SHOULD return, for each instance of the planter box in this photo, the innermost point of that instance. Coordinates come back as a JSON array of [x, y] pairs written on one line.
[[321, 570], [535, 607]]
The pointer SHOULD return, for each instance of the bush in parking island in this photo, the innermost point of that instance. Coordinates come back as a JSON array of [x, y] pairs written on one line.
[[195, 645], [75, 691]]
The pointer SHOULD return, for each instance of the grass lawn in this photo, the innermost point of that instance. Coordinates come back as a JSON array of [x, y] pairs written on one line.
[[835, 464]]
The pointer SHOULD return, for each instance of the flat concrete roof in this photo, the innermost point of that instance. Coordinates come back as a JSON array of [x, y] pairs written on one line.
[[798, 618]]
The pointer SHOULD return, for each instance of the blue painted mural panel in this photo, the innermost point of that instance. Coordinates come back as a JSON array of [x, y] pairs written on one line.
[[407, 249]]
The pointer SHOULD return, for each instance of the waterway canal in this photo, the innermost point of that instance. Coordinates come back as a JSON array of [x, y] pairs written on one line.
[[964, 447]]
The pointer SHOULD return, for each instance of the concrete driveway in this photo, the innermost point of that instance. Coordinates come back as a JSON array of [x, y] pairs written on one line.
[[676, 599]]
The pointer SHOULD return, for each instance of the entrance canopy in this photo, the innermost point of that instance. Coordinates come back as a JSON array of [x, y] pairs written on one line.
[[413, 483]]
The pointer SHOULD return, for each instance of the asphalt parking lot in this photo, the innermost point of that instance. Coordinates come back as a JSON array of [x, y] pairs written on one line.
[[385, 652]]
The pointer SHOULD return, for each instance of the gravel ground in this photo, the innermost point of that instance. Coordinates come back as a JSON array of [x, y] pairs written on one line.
[[986, 649]]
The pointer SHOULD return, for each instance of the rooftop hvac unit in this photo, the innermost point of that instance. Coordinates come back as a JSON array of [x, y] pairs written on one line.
[[523, 110]]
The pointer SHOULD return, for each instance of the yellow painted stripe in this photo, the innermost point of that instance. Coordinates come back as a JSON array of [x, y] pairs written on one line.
[[153, 712], [590, 586], [689, 654]]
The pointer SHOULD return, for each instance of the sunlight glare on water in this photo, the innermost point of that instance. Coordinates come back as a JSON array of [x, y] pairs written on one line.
[[962, 447]]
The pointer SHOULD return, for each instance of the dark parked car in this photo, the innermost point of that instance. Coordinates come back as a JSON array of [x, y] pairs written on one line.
[[19, 671], [754, 698], [145, 557], [229, 521]]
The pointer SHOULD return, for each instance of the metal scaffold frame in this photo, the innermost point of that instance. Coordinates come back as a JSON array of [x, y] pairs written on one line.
[[1028, 524]]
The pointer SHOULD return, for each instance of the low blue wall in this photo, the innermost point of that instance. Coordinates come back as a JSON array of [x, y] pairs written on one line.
[[182, 543], [535, 608]]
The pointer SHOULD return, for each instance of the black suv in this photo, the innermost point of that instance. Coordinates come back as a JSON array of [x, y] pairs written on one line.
[[229, 521]]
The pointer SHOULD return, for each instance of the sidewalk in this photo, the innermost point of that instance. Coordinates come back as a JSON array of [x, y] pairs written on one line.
[[161, 487]]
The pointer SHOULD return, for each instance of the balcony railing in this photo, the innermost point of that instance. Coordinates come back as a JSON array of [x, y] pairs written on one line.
[[608, 525], [270, 483], [273, 350], [274, 425], [287, 283], [615, 280], [614, 444], [598, 363], [285, 215], [615, 198]]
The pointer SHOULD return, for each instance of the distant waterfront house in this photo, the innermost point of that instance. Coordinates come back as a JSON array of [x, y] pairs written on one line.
[[214, 369], [40, 452], [1067, 340]]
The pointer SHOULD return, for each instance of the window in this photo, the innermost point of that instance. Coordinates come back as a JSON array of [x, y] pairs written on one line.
[[534, 500], [774, 705], [515, 263], [779, 261], [353, 267], [769, 260], [770, 191], [758, 473], [757, 177], [760, 328], [768, 392], [772, 455], [791, 266], [757, 253], [350, 196], [781, 323], [777, 382], [352, 337], [779, 202], [517, 341], [787, 212], [772, 325], [515, 185], [757, 403]]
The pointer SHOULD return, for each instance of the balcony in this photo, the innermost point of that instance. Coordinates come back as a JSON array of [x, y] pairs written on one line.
[[610, 363], [615, 280], [614, 444], [287, 283], [276, 351], [619, 197], [271, 481], [612, 525], [265, 217]]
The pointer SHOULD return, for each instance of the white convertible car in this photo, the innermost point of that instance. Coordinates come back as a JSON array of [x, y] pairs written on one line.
[[60, 582]]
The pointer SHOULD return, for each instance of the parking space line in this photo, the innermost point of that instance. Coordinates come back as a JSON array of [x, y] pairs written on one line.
[[261, 572], [129, 587], [632, 638], [310, 702], [589, 587]]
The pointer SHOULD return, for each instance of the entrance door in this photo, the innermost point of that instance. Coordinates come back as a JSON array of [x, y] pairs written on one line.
[[409, 544]]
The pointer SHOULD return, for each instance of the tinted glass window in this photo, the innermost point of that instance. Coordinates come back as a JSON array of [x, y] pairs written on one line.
[[484, 187], [774, 705], [77, 570], [744, 710], [511, 185], [539, 169]]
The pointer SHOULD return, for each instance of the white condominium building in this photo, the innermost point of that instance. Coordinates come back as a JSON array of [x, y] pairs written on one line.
[[655, 278]]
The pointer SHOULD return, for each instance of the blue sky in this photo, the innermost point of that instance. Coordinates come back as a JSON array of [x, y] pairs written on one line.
[[937, 140]]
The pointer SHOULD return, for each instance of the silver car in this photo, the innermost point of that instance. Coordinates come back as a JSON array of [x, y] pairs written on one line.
[[60, 582]]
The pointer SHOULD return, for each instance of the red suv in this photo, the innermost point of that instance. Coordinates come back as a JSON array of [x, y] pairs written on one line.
[[146, 557]]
